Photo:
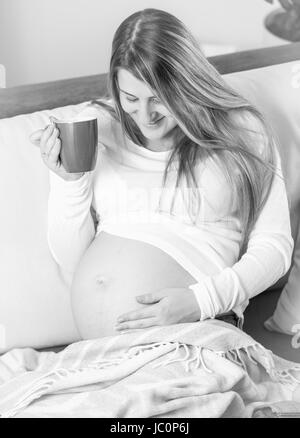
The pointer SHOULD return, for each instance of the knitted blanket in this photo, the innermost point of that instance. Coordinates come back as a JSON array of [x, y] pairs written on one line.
[[205, 369]]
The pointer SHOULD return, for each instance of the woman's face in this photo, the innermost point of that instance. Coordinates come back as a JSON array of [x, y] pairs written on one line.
[[139, 101]]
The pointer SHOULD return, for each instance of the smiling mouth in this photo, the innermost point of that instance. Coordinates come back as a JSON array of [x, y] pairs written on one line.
[[154, 123]]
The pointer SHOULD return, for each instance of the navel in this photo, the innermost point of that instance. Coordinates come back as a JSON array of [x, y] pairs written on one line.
[[101, 280]]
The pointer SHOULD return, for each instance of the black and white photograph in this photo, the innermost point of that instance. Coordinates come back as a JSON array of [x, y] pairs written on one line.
[[150, 211]]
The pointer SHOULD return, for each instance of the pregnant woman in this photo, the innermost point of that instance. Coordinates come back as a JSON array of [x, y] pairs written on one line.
[[191, 215]]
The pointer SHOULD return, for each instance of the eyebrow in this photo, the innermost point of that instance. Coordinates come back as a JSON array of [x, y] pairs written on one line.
[[132, 95]]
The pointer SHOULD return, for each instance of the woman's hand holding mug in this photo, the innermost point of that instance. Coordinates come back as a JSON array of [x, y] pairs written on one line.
[[48, 141], [69, 146]]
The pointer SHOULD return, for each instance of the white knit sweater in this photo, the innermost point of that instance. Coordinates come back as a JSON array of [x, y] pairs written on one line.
[[126, 192]]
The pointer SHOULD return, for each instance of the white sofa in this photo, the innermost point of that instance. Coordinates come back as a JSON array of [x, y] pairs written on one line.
[[34, 300]]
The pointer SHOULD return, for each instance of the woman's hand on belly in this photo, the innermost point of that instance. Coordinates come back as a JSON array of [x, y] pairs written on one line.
[[165, 307]]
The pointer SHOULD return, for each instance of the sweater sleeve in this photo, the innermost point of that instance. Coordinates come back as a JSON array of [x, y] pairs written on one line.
[[70, 224], [267, 258]]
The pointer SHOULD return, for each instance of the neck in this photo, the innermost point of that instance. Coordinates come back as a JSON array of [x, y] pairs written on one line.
[[160, 145]]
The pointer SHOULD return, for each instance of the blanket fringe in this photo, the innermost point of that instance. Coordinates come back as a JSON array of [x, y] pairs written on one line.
[[130, 354], [255, 354], [32, 395], [193, 359], [188, 357], [259, 355]]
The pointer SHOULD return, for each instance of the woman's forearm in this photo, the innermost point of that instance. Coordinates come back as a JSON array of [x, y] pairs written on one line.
[[262, 265], [70, 224]]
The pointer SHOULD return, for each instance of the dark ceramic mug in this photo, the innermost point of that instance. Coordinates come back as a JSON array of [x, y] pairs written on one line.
[[79, 140]]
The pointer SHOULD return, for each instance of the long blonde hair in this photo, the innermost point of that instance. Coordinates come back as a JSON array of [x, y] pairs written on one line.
[[157, 48]]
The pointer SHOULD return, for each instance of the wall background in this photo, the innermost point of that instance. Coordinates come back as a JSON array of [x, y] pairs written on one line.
[[44, 40]]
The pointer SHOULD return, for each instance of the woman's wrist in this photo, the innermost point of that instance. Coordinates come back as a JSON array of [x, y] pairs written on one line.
[[203, 299], [72, 176], [69, 183]]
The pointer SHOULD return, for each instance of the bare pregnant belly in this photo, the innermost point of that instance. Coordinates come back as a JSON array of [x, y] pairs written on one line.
[[112, 272]]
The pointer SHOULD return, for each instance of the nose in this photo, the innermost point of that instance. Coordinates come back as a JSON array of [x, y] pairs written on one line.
[[146, 113]]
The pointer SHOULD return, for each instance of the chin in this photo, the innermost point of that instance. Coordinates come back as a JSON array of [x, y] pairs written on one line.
[[153, 136], [155, 133]]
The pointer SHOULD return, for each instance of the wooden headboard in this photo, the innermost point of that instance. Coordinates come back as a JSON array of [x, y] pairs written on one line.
[[48, 95]]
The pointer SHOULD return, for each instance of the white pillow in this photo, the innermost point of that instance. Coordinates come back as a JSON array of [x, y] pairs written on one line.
[[286, 318], [276, 91], [35, 305]]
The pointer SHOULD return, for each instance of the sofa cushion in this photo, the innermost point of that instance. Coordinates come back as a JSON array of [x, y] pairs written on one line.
[[286, 318], [34, 299], [259, 309], [276, 91]]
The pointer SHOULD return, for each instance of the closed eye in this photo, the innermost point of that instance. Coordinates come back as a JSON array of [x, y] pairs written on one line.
[[131, 99], [134, 99]]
